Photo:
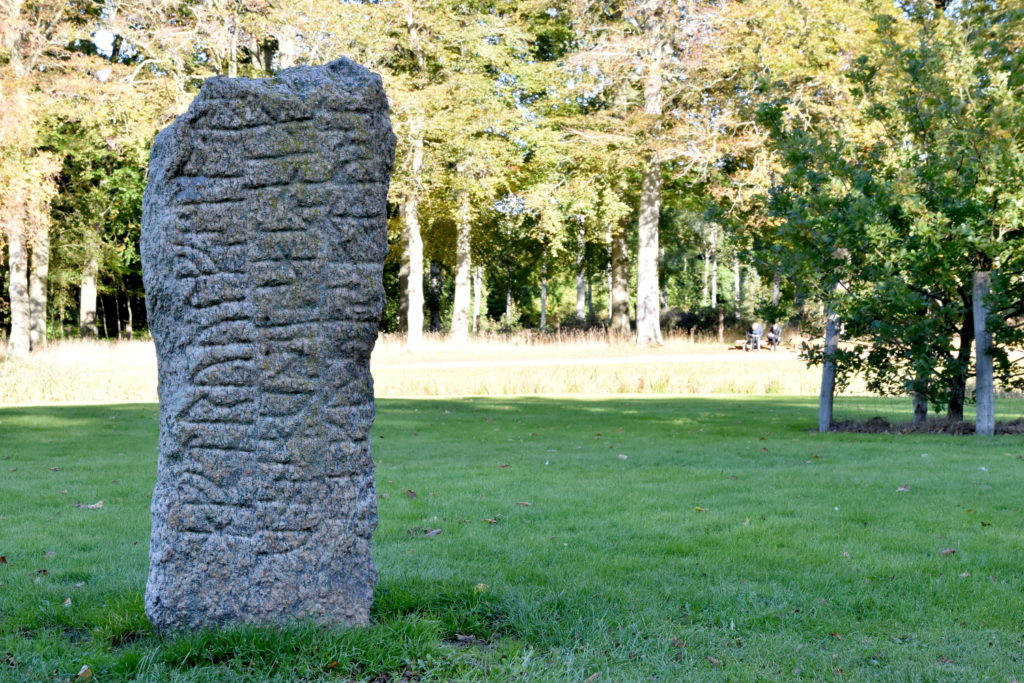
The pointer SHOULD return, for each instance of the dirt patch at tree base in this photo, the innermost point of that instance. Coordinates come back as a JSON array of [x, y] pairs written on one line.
[[879, 425]]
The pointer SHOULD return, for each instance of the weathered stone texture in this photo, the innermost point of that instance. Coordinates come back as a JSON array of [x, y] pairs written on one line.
[[263, 245]]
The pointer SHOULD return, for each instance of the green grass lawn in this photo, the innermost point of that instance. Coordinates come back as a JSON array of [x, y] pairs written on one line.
[[666, 539]]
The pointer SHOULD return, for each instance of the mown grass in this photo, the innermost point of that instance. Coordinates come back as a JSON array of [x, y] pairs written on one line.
[[730, 543]]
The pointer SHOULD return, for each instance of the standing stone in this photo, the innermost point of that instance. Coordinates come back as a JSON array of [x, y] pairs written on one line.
[[263, 242]]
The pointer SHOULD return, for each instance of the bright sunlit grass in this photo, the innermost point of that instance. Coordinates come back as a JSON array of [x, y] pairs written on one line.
[[91, 372], [675, 539]]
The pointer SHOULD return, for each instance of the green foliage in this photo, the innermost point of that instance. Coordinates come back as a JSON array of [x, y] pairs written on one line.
[[889, 215]]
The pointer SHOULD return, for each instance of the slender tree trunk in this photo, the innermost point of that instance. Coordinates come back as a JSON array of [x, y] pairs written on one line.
[[961, 363], [828, 372], [544, 292], [581, 280], [19, 344], [648, 310], [508, 299], [117, 316], [714, 269], [737, 282], [87, 300], [705, 290], [776, 282], [412, 259], [620, 283], [434, 300], [920, 408], [590, 299], [101, 316], [478, 284], [721, 325], [985, 382], [129, 318], [463, 268], [648, 313], [38, 276]]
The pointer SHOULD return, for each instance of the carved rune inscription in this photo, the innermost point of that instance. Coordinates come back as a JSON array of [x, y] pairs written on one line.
[[263, 246]]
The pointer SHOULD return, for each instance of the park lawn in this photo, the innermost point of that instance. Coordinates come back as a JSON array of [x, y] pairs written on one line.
[[634, 538]]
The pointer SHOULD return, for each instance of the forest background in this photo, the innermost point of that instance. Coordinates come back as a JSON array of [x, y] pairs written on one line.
[[634, 166]]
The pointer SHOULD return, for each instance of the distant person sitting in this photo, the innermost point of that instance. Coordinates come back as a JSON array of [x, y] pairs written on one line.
[[774, 337], [754, 336]]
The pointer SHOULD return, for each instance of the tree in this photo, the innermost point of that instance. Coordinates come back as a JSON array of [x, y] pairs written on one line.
[[919, 192]]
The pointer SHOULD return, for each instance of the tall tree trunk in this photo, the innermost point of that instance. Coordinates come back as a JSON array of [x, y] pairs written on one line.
[[714, 268], [721, 325], [38, 276], [590, 299], [19, 344], [985, 383], [581, 279], [434, 300], [737, 282], [508, 299], [412, 258], [648, 310], [961, 364], [705, 290], [776, 282], [828, 372], [87, 299], [478, 284], [129, 318], [544, 292], [620, 283], [920, 407], [463, 268]]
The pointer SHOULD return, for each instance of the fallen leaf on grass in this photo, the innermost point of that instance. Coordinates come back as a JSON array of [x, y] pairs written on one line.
[[715, 661], [524, 503], [491, 520], [837, 636], [504, 466], [965, 575], [946, 660], [623, 456], [678, 643], [410, 493], [48, 554], [699, 509], [746, 522], [95, 506], [55, 469], [67, 603], [3, 559], [64, 492], [420, 531], [333, 664], [903, 489], [592, 677], [459, 638], [845, 553], [947, 551], [79, 584], [480, 587], [84, 674]]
